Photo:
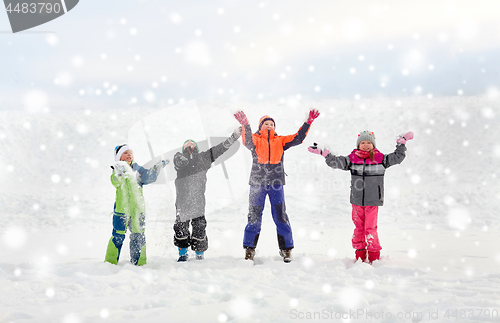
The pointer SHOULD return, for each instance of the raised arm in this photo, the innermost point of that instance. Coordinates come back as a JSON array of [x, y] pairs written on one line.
[[246, 130], [147, 175], [399, 153], [215, 152], [337, 162], [298, 138]]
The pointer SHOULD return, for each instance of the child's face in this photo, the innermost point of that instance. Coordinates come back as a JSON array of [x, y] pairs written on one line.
[[267, 125], [191, 145], [365, 145], [127, 156]]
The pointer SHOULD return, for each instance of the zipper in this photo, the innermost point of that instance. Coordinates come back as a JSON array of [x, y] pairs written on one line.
[[364, 165], [269, 144]]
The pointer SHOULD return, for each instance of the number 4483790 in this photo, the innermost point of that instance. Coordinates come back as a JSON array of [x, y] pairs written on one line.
[[463, 314], [39, 7]]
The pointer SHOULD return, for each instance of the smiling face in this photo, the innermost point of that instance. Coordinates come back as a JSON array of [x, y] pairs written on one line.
[[127, 156], [267, 125], [365, 145]]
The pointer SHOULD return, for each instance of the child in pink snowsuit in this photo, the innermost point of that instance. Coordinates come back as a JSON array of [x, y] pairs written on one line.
[[367, 166]]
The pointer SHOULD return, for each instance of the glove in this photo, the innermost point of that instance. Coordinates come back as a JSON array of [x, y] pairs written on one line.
[[241, 117], [313, 114], [404, 138], [236, 133], [180, 161], [161, 164], [119, 170], [315, 150], [234, 136]]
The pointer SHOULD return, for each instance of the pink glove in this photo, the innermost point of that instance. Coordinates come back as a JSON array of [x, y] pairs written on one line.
[[241, 117], [404, 138], [315, 150], [313, 114]]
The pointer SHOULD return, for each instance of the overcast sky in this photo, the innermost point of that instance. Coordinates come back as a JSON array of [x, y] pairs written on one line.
[[148, 52]]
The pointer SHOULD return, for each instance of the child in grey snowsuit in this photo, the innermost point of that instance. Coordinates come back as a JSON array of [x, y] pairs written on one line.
[[367, 166], [190, 185]]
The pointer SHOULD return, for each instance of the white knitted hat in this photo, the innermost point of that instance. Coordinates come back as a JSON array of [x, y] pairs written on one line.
[[119, 150]]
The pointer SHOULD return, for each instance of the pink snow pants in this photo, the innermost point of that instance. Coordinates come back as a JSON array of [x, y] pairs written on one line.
[[365, 233]]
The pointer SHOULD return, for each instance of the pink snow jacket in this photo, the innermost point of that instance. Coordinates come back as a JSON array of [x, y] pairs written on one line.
[[367, 176]]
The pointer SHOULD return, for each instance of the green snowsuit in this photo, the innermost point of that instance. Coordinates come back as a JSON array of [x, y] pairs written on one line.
[[129, 212]]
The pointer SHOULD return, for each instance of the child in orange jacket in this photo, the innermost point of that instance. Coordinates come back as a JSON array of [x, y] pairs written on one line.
[[267, 178]]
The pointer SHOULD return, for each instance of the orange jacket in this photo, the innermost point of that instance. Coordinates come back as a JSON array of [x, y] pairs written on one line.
[[267, 152]]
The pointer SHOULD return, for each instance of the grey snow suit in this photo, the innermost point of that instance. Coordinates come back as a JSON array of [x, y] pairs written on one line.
[[367, 176]]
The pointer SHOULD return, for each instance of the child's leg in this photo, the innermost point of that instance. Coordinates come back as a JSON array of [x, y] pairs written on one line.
[[116, 242], [257, 199], [199, 240], [138, 239], [371, 216], [358, 218], [278, 210], [181, 232]]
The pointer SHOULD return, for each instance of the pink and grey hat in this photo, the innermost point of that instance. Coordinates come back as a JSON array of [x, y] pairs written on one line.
[[366, 136]]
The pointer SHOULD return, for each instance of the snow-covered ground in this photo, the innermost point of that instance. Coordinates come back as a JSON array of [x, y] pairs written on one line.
[[438, 229]]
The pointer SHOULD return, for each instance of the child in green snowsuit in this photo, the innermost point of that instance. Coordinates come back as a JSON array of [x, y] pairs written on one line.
[[129, 211]]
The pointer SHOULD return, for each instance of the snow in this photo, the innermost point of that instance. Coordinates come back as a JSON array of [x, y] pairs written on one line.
[[438, 227]]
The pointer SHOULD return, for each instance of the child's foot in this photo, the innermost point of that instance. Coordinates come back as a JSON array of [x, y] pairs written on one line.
[[183, 255], [287, 255], [249, 253], [373, 255], [200, 255], [183, 258], [361, 254]]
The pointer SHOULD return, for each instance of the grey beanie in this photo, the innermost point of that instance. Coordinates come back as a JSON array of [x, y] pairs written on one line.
[[366, 135]]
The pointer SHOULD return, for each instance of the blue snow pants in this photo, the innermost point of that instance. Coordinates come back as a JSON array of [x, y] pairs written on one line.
[[278, 210], [136, 225]]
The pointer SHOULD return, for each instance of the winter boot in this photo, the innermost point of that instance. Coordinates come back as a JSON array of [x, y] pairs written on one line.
[[373, 255], [287, 255], [249, 253], [361, 254], [183, 255], [200, 255]]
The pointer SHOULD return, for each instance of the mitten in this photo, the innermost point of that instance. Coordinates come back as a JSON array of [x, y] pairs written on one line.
[[404, 138], [315, 150], [161, 164], [313, 114], [234, 136], [119, 170], [236, 133], [241, 117], [180, 161]]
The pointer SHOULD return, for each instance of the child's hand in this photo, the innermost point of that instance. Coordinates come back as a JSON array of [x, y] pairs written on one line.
[[241, 117], [180, 161], [234, 136], [236, 133], [315, 150], [161, 164], [404, 138], [119, 170], [313, 114]]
